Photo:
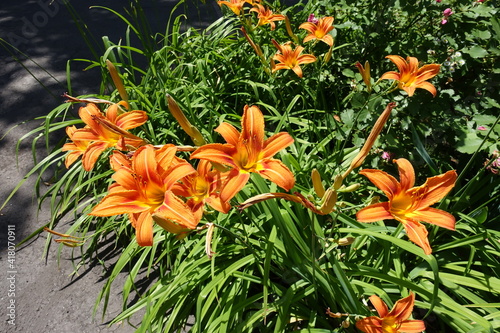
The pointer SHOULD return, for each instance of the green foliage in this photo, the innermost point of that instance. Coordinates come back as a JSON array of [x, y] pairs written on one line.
[[277, 267]]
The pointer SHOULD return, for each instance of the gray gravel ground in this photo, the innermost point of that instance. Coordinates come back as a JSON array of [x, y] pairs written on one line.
[[39, 294]]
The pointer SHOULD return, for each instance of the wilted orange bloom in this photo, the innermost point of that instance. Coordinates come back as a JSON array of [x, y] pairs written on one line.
[[409, 204], [202, 187], [410, 76], [266, 16], [394, 321], [143, 189], [319, 30], [291, 59], [102, 132], [247, 152]]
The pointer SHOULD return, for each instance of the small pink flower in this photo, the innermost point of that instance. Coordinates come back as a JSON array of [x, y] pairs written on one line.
[[444, 21], [438, 1], [480, 1], [481, 128], [386, 156], [312, 19], [447, 12]]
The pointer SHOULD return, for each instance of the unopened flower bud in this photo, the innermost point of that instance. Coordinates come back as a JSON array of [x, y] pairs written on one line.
[[317, 184], [329, 201]]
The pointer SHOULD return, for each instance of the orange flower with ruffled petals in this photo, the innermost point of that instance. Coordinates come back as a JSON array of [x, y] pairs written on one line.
[[246, 152], [266, 16], [143, 189], [202, 187], [410, 76], [319, 30], [235, 5], [409, 204], [102, 131], [291, 59], [394, 321]]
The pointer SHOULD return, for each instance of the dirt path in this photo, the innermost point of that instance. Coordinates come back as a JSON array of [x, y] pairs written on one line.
[[40, 295]]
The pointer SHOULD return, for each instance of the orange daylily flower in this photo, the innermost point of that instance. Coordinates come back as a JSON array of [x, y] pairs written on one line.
[[319, 30], [291, 59], [202, 187], [248, 152], [235, 5], [266, 16], [76, 148], [409, 204], [143, 189], [394, 321], [102, 132], [410, 76]]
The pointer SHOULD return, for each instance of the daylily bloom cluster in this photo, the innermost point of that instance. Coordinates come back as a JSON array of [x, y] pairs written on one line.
[[102, 131], [153, 185], [287, 56]]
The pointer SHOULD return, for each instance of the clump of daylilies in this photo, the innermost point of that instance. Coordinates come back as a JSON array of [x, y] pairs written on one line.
[[152, 185]]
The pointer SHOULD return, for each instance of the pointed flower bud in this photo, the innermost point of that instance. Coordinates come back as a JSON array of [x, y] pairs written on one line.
[[184, 122], [117, 80]]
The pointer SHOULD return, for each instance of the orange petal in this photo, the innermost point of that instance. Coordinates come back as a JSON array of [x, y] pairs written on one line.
[[276, 143], [278, 173], [328, 39], [176, 210], [124, 178], [131, 119], [417, 233], [427, 86], [412, 326], [406, 174], [370, 325], [144, 229], [306, 59], [94, 150], [410, 90], [374, 213], [144, 164], [435, 189], [217, 153], [435, 216], [308, 26], [229, 133], [119, 160], [165, 157], [399, 61], [379, 305], [218, 204], [385, 182], [297, 70], [390, 76], [71, 158], [403, 308], [119, 203], [87, 114], [85, 134], [252, 127], [177, 172], [236, 180]]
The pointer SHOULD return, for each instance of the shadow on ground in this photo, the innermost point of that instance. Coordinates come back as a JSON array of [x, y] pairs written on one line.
[[43, 37]]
